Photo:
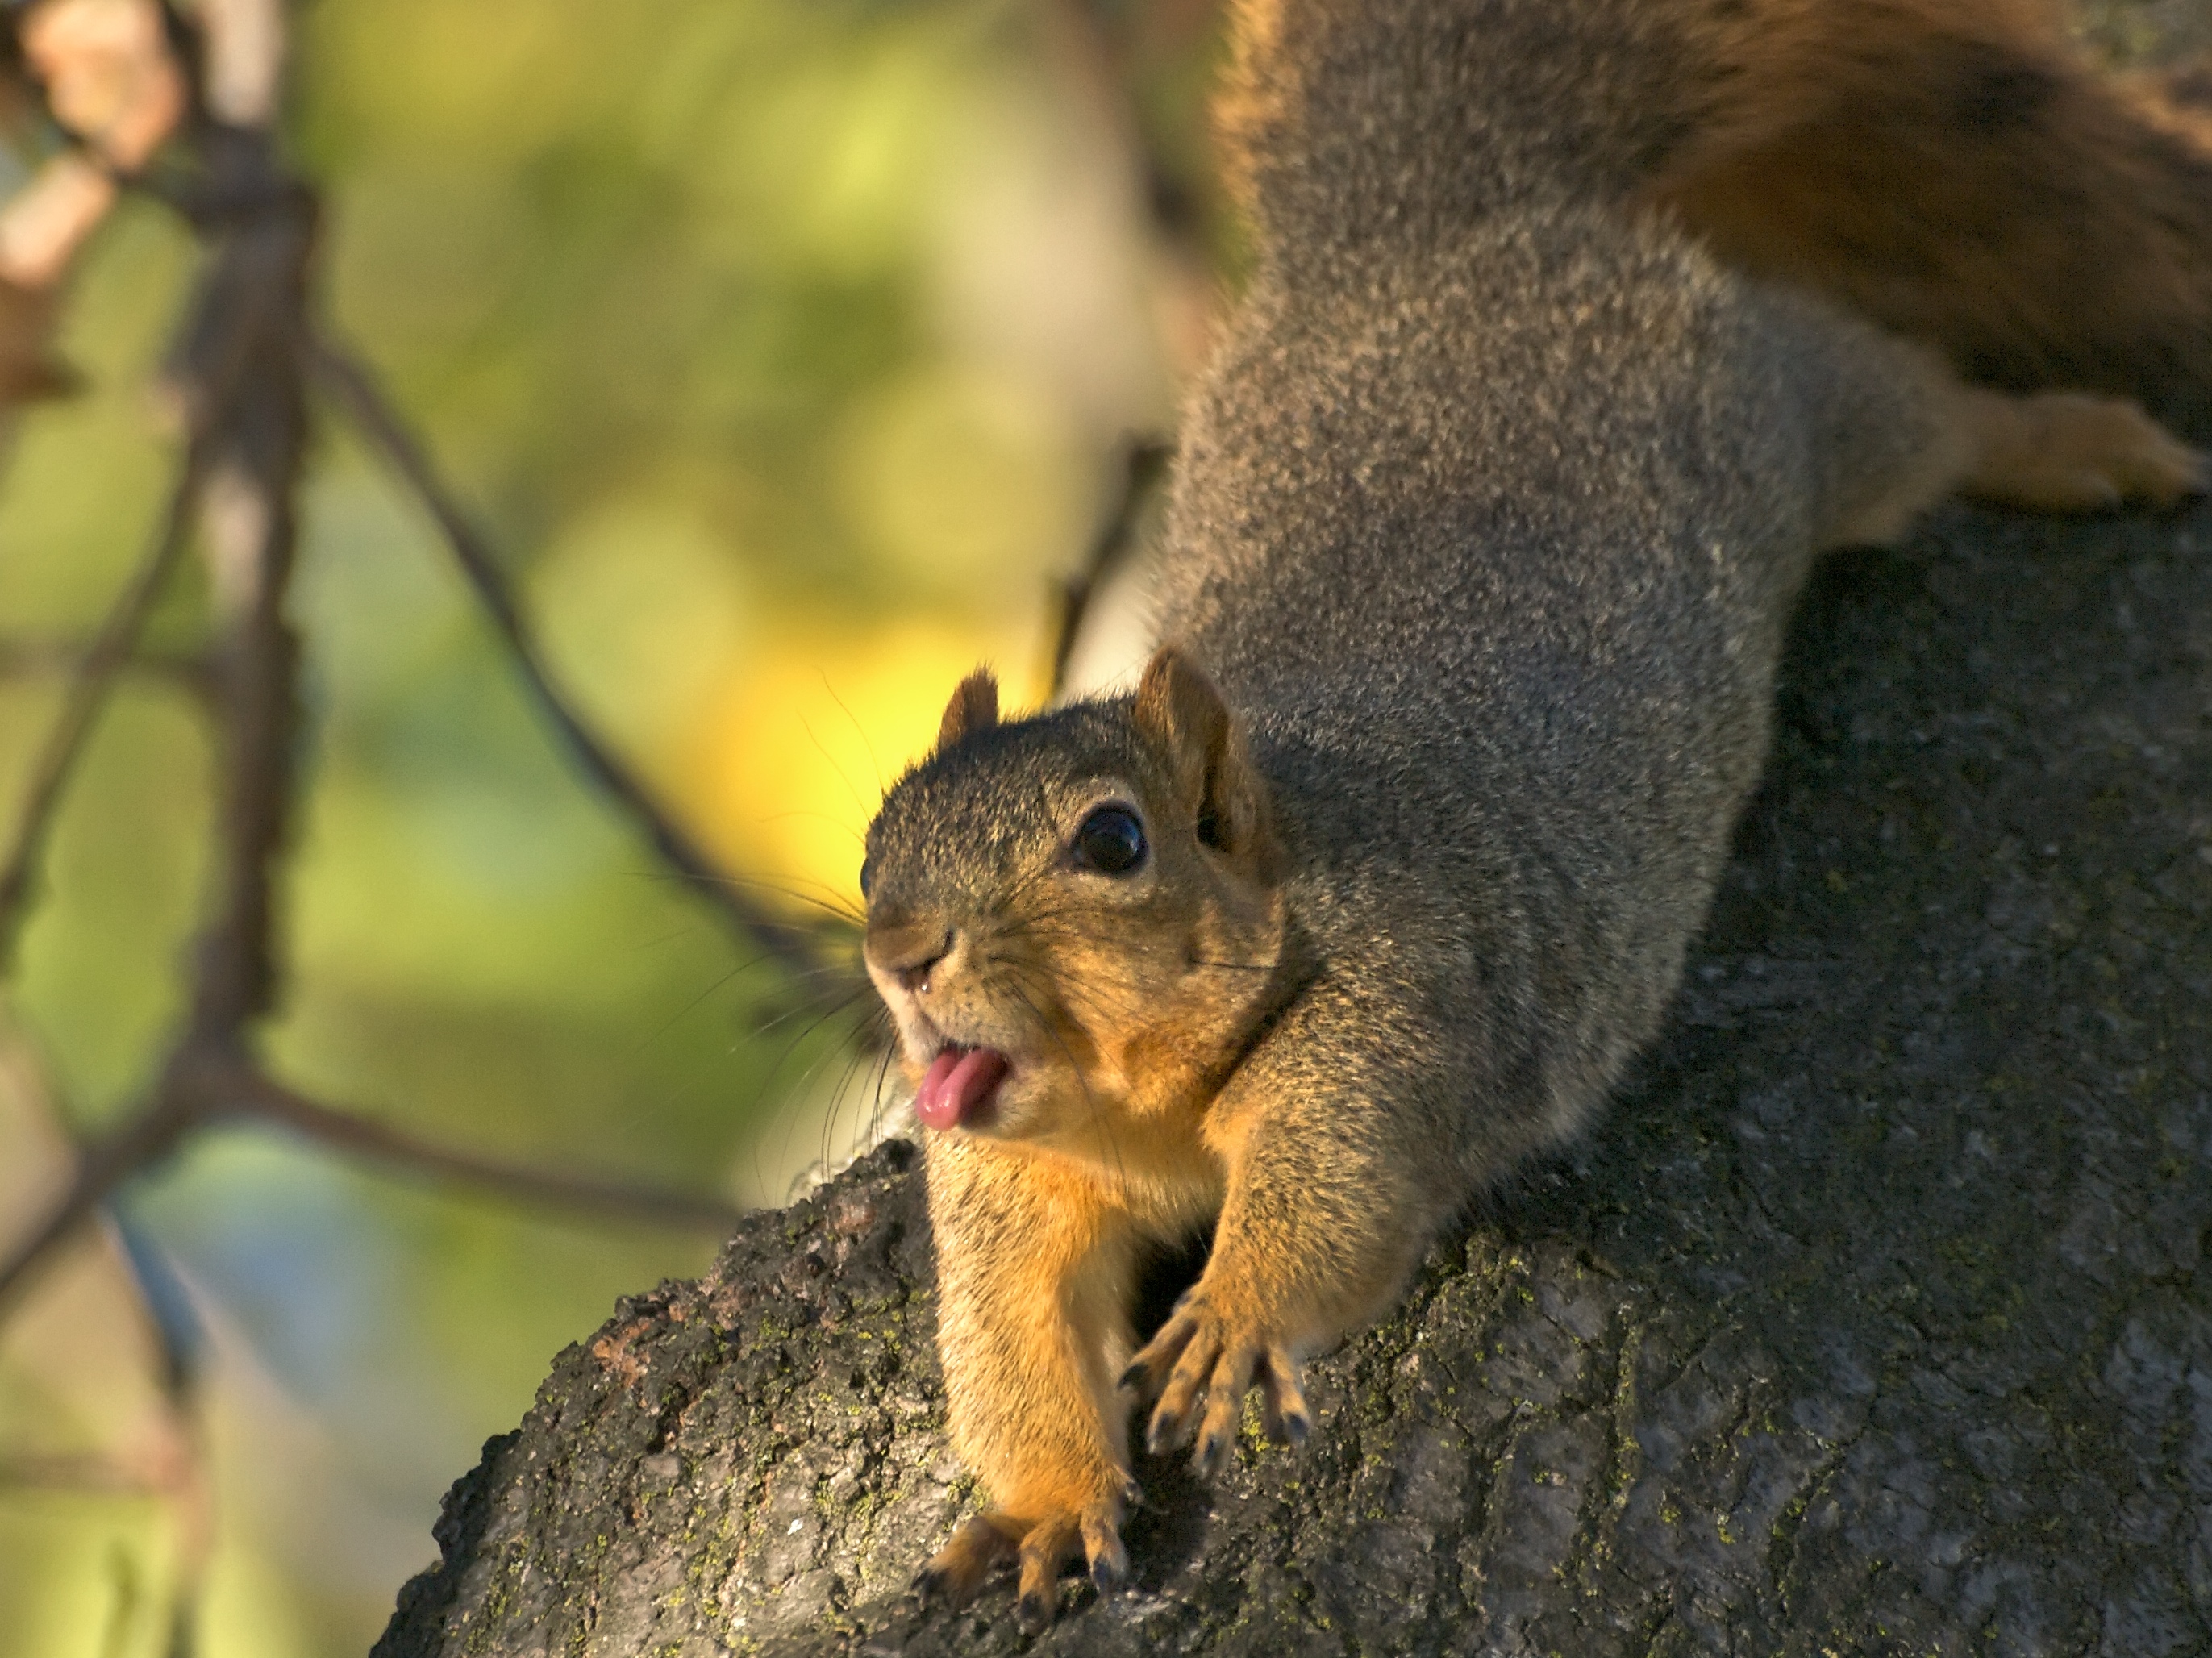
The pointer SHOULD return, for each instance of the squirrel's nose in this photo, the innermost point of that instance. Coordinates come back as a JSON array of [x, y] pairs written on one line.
[[909, 954]]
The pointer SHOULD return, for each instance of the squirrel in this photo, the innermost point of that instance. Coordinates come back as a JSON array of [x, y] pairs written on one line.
[[1579, 328]]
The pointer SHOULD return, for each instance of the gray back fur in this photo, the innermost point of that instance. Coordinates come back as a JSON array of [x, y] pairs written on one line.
[[1488, 517]]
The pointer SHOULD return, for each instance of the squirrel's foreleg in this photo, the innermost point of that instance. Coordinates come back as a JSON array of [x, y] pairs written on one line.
[[1035, 1271], [2070, 452], [1333, 1196], [1901, 432]]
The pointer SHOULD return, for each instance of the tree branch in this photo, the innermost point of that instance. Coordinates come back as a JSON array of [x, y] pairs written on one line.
[[350, 384], [99, 1475], [1144, 463], [251, 536], [209, 1081], [145, 1140], [49, 659], [253, 1092], [94, 678]]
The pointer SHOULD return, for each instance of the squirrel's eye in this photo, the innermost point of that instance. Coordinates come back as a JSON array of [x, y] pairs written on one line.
[[867, 876], [1111, 840]]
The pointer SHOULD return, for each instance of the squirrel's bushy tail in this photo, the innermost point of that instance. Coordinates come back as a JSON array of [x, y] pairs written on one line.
[[1349, 121], [1957, 170]]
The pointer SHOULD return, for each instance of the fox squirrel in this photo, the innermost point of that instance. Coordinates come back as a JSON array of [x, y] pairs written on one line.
[[1487, 521]]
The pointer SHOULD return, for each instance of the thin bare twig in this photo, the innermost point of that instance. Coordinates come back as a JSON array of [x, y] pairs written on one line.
[[209, 1082], [139, 1144], [178, 1468], [350, 384], [169, 1464], [270, 1101], [97, 1474], [1143, 463], [89, 687], [1118, 47], [56, 658]]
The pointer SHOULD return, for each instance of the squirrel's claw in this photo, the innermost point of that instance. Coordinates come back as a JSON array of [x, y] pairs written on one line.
[[1172, 1424], [1044, 1552], [1035, 1610], [2069, 451], [1042, 1548], [1102, 1546], [1225, 1404], [1187, 1350], [1208, 1362], [957, 1570], [1150, 1373], [1282, 1400]]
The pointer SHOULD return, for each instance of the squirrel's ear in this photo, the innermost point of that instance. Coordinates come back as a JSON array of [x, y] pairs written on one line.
[[974, 707], [1181, 710]]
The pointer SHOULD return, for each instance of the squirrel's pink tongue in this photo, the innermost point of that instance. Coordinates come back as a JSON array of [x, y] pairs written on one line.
[[959, 1081]]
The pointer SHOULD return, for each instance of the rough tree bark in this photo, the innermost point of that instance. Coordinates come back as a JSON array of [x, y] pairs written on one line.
[[1875, 1318]]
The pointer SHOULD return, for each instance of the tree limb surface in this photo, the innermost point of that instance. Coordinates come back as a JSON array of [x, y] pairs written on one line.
[[1876, 1317]]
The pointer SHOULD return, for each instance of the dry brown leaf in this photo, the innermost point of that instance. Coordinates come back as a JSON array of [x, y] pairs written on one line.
[[109, 74]]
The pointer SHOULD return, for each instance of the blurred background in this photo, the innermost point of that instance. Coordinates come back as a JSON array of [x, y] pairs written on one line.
[[787, 352], [787, 349]]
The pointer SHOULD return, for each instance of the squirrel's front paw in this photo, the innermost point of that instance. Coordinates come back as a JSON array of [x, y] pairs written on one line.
[[2068, 451], [1201, 1350], [1042, 1545]]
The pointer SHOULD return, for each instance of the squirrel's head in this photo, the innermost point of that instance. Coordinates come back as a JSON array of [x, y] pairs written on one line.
[[1076, 914]]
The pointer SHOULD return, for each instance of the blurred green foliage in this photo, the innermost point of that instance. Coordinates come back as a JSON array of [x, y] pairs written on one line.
[[785, 347]]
